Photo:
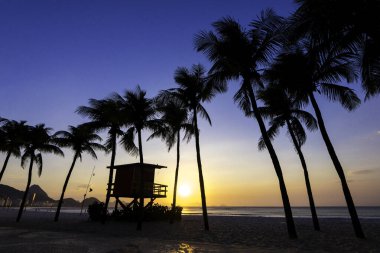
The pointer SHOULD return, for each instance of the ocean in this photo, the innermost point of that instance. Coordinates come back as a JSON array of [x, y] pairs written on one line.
[[300, 212], [249, 211]]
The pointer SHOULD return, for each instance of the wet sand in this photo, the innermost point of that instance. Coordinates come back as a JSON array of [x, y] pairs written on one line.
[[36, 232]]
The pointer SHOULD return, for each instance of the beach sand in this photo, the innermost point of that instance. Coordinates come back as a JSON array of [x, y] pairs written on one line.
[[36, 232]]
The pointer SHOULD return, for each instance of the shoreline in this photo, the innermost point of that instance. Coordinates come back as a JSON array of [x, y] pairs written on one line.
[[37, 232]]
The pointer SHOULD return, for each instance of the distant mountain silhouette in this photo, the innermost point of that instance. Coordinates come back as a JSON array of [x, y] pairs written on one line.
[[41, 198]]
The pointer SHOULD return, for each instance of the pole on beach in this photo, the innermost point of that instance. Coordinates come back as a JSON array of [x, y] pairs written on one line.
[[88, 185]]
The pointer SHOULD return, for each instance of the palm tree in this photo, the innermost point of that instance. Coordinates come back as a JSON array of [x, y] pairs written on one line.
[[306, 71], [283, 110], [139, 112], [355, 22], [195, 87], [174, 119], [12, 138], [80, 139], [38, 141], [106, 115], [237, 54]]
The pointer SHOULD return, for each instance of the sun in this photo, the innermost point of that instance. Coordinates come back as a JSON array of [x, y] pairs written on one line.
[[184, 190]]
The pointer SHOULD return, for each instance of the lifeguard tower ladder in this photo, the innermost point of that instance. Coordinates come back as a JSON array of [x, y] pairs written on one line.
[[128, 180]]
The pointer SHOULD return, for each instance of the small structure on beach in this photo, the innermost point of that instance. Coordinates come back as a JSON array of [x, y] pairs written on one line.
[[129, 184]]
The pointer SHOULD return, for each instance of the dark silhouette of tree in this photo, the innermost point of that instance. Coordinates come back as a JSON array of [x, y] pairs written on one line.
[[283, 110], [80, 139], [237, 54], [195, 88], [174, 118], [308, 70], [38, 141], [12, 139], [106, 114], [357, 23], [139, 113]]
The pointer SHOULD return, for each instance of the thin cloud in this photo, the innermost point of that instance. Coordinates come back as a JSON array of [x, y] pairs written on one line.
[[363, 172], [81, 186]]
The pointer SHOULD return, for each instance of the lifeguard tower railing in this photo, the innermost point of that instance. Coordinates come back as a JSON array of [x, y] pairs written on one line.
[[150, 191]]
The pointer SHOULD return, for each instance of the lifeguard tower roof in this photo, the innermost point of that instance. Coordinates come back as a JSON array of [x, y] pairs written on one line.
[[138, 165]]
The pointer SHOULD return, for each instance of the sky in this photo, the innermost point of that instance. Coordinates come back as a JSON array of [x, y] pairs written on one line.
[[55, 55]]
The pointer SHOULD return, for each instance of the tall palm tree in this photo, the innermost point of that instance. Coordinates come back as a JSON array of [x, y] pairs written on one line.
[[12, 138], [237, 54], [139, 113], [106, 114], [195, 88], [283, 110], [38, 141], [80, 139], [308, 70], [174, 118], [356, 22]]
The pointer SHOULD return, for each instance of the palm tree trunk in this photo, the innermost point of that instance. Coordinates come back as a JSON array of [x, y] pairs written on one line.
[[141, 213], [175, 179], [110, 177], [201, 182], [284, 194], [26, 189], [339, 169], [5, 164], [306, 174], [64, 187]]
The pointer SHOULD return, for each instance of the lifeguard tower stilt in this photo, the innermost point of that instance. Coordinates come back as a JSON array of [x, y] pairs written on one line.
[[128, 181]]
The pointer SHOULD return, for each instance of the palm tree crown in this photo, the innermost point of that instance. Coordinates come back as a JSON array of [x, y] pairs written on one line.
[[138, 114], [105, 115], [281, 108], [38, 141], [80, 139], [12, 139], [354, 23], [174, 118], [304, 71]]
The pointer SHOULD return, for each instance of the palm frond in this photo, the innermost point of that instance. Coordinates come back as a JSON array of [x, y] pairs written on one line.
[[127, 140], [24, 159], [203, 113], [344, 95], [241, 97], [91, 151], [267, 36], [370, 68], [272, 132], [298, 130], [39, 162], [307, 118]]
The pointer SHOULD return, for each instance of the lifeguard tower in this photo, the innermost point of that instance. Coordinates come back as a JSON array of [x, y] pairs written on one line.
[[128, 180]]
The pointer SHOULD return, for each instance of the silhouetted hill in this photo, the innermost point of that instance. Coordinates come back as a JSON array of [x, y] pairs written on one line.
[[7, 191], [41, 197]]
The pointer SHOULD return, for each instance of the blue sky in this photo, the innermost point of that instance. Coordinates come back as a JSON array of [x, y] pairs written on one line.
[[55, 55]]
